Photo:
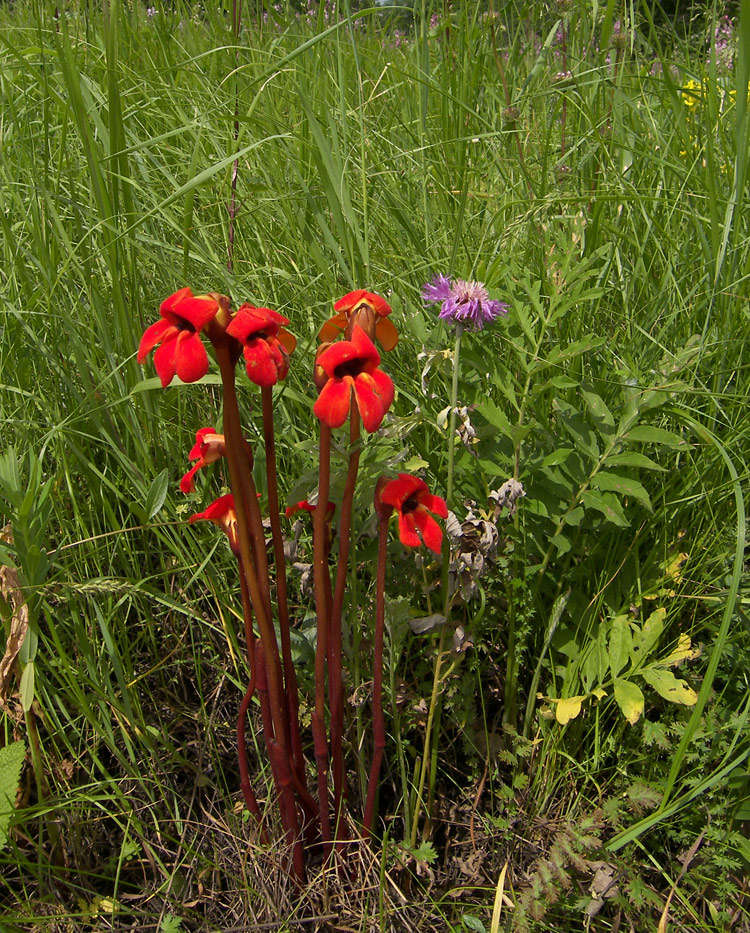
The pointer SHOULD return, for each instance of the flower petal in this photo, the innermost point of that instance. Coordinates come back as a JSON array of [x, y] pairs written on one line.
[[332, 405], [152, 336], [191, 358], [197, 311], [432, 533], [386, 333], [397, 491], [369, 403], [262, 363], [332, 328], [164, 358], [187, 483], [406, 530], [169, 304]]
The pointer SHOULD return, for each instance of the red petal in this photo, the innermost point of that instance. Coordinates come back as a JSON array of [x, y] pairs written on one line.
[[384, 387], [200, 440], [287, 340], [369, 402], [332, 406], [332, 328], [190, 357], [350, 300], [262, 363], [364, 346], [406, 531], [335, 355], [398, 490], [169, 303], [164, 359], [432, 533], [435, 504], [249, 321], [186, 483], [153, 335], [386, 333], [197, 311]]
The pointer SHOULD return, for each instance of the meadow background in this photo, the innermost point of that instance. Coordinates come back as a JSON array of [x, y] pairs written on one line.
[[588, 162]]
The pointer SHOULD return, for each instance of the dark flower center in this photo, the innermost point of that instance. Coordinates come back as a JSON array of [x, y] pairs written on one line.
[[351, 368], [182, 323], [410, 505]]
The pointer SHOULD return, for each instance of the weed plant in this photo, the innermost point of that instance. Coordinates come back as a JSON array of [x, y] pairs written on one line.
[[588, 163]]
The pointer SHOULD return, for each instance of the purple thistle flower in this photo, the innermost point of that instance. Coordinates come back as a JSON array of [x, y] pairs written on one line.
[[463, 303]]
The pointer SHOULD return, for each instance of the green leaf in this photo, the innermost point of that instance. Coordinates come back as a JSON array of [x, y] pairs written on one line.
[[157, 495], [630, 700], [11, 763], [496, 416], [646, 637], [473, 923], [648, 434], [26, 687], [574, 516], [560, 455], [631, 458], [620, 644], [607, 504], [597, 408], [622, 485], [562, 544], [669, 686]]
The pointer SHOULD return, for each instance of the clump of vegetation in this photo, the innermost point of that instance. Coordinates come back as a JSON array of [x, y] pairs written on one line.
[[554, 694]]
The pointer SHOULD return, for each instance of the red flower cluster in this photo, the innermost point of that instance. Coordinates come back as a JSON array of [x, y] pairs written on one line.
[[266, 345], [352, 366], [177, 335]]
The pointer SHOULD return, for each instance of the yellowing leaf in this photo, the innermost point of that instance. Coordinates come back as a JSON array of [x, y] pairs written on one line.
[[673, 567], [683, 652], [669, 686], [599, 693], [630, 700], [568, 709]]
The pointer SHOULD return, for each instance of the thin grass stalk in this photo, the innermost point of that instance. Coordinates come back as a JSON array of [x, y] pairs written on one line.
[[335, 683], [322, 580], [378, 719]]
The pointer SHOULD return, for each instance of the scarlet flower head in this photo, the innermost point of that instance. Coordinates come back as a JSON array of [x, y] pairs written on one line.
[[221, 512], [305, 506], [266, 345], [356, 304], [180, 349], [208, 448], [352, 366], [415, 506]]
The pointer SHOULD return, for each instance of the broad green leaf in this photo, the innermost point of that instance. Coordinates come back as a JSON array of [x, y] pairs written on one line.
[[574, 516], [11, 763], [630, 700], [646, 637], [597, 408], [648, 434], [669, 686], [607, 504], [596, 663], [560, 455], [622, 485], [582, 433], [631, 458], [620, 644], [562, 544], [568, 709]]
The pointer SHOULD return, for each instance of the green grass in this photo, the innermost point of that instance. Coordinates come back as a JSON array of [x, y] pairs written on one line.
[[609, 209]]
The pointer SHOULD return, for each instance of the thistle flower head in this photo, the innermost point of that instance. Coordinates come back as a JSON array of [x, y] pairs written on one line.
[[463, 303]]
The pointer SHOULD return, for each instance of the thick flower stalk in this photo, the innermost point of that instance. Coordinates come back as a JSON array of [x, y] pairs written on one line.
[[350, 367], [177, 336]]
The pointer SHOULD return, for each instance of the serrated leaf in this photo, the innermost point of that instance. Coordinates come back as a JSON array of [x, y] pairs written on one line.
[[11, 763], [495, 416], [567, 709], [424, 852], [648, 434], [646, 637], [620, 644], [630, 700], [607, 504], [622, 485], [669, 686], [631, 458]]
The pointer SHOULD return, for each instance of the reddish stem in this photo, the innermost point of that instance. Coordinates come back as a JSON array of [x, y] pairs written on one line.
[[322, 609], [335, 681], [378, 719]]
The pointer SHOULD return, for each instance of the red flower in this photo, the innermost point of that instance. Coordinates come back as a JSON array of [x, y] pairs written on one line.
[[209, 447], [221, 512], [305, 506], [266, 344], [385, 332], [412, 500], [352, 365], [184, 316]]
